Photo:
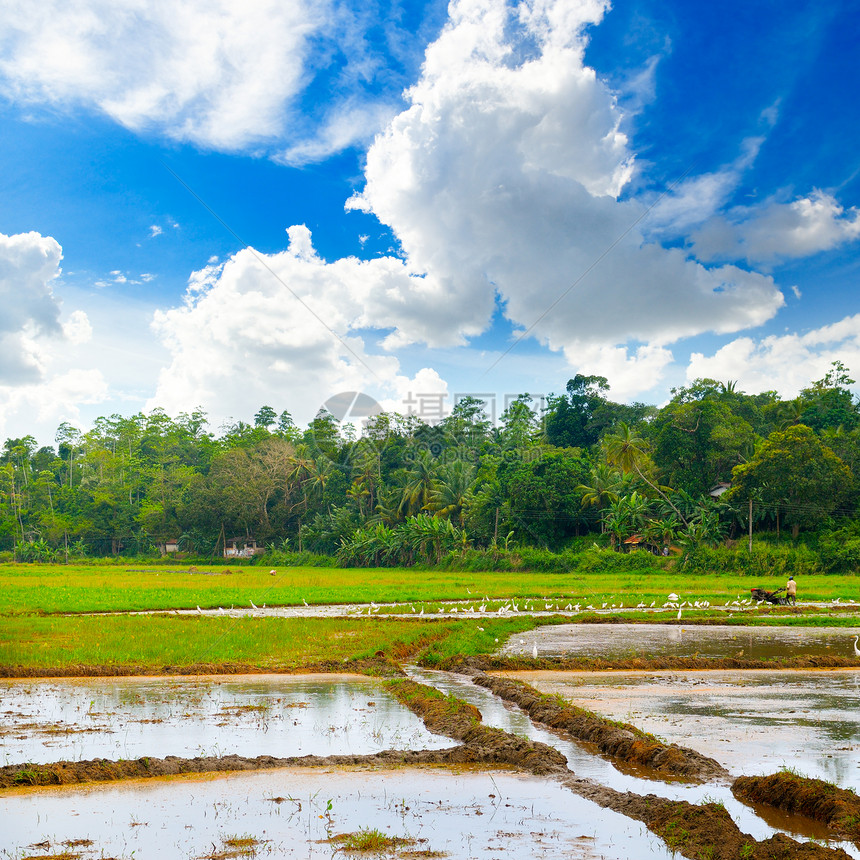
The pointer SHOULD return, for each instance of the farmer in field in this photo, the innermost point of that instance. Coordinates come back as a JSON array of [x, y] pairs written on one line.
[[791, 590]]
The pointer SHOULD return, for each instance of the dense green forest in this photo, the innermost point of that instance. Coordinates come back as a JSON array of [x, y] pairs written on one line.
[[587, 470]]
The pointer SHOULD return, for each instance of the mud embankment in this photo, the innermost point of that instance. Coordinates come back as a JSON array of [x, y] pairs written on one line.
[[380, 665], [618, 741], [512, 663], [836, 807], [453, 718], [705, 831]]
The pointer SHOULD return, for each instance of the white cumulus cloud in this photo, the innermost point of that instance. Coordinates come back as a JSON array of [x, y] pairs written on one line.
[[29, 262], [278, 329], [214, 72], [502, 178], [782, 363], [775, 230]]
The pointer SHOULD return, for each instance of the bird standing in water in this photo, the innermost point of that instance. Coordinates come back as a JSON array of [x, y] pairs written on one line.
[[856, 649]]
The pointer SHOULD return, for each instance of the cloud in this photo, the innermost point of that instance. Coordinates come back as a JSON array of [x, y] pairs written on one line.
[[782, 363], [777, 231], [501, 181], [212, 72], [77, 330], [278, 329], [154, 231], [502, 178], [49, 403], [29, 263]]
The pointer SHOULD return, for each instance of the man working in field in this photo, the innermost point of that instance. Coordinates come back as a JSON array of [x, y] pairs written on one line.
[[791, 590]]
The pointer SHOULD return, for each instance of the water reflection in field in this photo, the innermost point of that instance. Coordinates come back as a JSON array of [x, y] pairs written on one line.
[[44, 721], [752, 722], [585, 762], [619, 641], [292, 814]]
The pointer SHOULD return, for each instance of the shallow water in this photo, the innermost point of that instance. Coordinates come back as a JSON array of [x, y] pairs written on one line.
[[461, 813], [752, 722], [617, 641], [44, 721], [584, 761]]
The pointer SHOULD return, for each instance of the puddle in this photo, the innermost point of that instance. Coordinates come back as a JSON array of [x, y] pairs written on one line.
[[589, 765], [461, 814], [617, 641], [751, 722], [79, 719]]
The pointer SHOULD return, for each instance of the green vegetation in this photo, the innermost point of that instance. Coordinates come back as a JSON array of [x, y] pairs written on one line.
[[368, 839], [159, 641], [26, 589], [536, 492], [36, 631]]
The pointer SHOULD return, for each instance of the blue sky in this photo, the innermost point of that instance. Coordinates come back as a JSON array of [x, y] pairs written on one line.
[[222, 205]]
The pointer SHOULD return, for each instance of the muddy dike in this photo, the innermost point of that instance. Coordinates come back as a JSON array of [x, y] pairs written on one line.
[[446, 715], [378, 666], [836, 807], [618, 741], [512, 663], [705, 832], [105, 770]]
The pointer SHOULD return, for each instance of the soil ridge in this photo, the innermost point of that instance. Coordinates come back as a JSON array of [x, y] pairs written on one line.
[[615, 740], [703, 831], [836, 807]]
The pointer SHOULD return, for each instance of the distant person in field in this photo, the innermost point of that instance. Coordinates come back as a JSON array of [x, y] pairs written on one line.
[[791, 590]]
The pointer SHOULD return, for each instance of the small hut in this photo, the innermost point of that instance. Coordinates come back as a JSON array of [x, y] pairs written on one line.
[[242, 547]]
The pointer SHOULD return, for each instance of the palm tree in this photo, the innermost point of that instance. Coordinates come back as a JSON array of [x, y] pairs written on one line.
[[627, 450], [605, 482], [449, 490], [419, 483]]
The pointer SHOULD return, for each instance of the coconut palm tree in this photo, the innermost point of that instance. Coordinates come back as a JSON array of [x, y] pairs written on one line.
[[629, 452]]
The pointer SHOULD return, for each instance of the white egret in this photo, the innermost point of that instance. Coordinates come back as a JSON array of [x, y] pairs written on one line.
[[535, 651], [254, 605], [221, 610], [199, 610], [679, 615], [856, 649], [304, 601]]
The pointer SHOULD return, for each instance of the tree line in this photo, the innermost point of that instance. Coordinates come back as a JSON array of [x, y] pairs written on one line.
[[697, 471]]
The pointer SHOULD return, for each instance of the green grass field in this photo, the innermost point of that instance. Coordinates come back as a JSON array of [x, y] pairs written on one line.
[[157, 641], [100, 588], [42, 625]]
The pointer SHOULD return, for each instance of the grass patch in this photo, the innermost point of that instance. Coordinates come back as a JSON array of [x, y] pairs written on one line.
[[26, 588], [369, 839], [162, 641]]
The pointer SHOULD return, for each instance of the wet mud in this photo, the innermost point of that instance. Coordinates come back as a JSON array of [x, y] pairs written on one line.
[[461, 721], [502, 663], [700, 831], [836, 807], [618, 741], [380, 665]]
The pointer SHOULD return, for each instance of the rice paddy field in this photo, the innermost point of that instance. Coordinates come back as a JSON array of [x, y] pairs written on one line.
[[144, 703]]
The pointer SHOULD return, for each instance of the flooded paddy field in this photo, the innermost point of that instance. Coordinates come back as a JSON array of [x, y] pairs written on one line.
[[752, 722], [585, 762], [280, 715], [620, 640], [295, 813]]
